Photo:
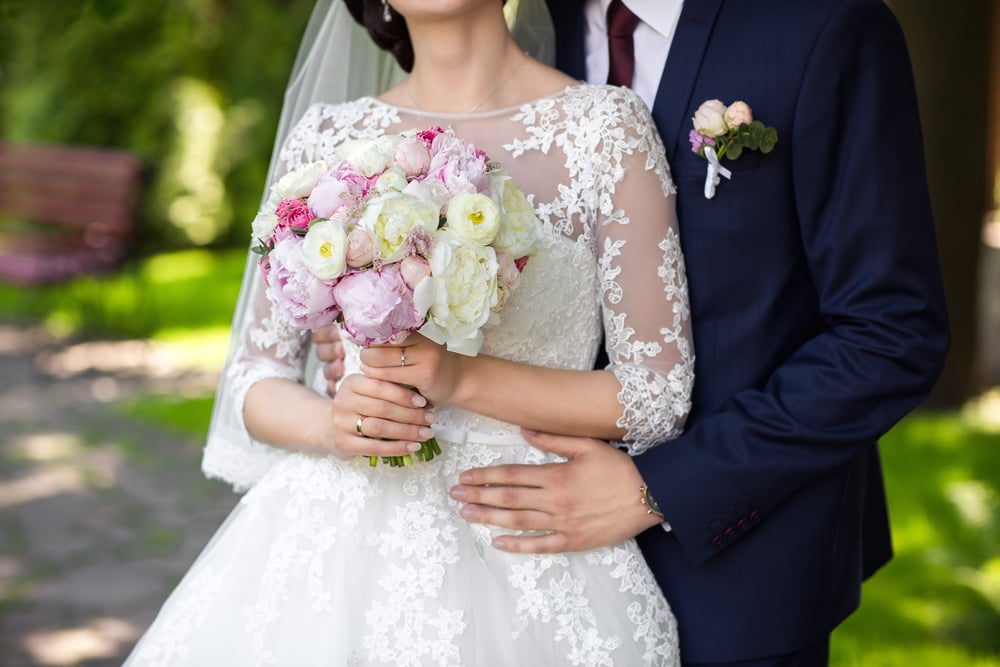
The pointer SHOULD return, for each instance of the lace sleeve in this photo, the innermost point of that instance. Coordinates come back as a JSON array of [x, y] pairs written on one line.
[[645, 301]]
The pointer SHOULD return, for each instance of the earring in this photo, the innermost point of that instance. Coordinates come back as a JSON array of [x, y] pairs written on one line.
[[386, 13]]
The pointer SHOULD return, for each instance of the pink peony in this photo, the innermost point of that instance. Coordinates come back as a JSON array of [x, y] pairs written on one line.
[[304, 300], [360, 248], [377, 306], [294, 214], [459, 165], [330, 196]]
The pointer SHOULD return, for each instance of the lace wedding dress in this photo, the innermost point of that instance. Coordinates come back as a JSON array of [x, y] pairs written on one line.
[[331, 562]]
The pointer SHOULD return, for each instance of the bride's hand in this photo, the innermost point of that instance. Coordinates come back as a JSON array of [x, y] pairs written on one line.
[[417, 362], [373, 417]]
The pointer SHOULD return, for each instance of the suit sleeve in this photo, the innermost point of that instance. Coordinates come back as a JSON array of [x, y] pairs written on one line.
[[868, 239]]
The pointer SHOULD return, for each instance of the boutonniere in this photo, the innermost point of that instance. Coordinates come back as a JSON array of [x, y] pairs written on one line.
[[721, 131]]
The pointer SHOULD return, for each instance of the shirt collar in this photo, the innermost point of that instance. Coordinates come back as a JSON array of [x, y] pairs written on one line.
[[657, 14]]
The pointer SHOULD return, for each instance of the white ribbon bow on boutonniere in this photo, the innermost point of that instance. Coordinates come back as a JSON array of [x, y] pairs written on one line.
[[721, 131]]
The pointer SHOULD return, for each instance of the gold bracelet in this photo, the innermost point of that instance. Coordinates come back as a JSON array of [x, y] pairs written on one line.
[[647, 500]]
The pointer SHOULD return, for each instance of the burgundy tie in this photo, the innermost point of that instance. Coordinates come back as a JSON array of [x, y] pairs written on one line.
[[621, 54]]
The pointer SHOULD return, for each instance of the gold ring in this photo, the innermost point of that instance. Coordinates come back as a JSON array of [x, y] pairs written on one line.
[[402, 356], [357, 425]]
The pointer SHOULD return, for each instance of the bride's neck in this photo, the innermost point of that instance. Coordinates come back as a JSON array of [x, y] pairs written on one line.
[[463, 66]]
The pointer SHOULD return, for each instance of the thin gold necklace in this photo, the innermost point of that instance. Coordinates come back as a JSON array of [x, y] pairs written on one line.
[[504, 82]]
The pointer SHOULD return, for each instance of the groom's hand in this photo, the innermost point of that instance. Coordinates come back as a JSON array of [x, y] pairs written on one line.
[[592, 500]]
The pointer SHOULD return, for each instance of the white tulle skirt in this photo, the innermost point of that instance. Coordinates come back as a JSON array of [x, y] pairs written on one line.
[[329, 562]]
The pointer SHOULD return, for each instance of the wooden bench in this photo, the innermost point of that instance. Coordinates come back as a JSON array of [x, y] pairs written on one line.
[[65, 211]]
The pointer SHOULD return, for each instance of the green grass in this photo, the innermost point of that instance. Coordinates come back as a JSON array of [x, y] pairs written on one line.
[[938, 601], [178, 291], [185, 415]]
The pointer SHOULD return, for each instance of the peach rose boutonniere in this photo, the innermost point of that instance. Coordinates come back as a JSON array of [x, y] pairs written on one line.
[[726, 131]]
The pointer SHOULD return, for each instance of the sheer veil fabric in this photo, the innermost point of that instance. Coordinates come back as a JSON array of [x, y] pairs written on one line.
[[337, 62]]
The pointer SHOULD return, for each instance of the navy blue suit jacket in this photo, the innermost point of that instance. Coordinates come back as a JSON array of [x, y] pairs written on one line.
[[817, 309]]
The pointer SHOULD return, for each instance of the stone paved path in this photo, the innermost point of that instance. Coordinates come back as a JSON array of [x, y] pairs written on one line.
[[100, 513]]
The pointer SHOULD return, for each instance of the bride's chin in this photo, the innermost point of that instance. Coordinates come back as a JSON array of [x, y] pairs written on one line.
[[436, 10]]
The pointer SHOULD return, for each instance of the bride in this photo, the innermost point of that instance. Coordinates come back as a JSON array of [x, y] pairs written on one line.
[[328, 561]]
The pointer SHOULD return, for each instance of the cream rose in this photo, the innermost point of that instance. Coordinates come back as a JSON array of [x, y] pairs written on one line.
[[389, 218], [464, 281], [473, 217], [518, 234], [324, 249], [738, 113], [710, 118], [392, 180]]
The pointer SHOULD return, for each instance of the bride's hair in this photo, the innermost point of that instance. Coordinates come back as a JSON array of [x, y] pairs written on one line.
[[393, 36]]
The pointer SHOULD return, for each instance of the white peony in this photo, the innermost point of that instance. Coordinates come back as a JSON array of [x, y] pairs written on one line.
[[390, 218], [324, 249], [464, 281], [431, 189], [368, 156], [263, 225], [298, 183], [473, 217]]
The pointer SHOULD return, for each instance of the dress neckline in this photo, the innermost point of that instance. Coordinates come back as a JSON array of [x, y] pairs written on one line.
[[490, 113]]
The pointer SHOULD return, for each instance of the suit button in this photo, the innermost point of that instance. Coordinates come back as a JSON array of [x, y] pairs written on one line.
[[730, 532], [741, 524], [719, 540], [754, 516]]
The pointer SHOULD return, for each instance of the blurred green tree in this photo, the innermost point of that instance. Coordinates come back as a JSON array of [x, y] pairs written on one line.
[[193, 86]]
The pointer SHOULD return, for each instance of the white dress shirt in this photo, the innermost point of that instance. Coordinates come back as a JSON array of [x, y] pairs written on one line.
[[657, 23]]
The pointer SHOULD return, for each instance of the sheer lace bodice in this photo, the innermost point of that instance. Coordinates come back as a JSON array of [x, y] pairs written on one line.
[[610, 261]]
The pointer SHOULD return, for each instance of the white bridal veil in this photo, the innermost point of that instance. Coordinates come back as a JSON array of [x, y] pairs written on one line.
[[336, 62]]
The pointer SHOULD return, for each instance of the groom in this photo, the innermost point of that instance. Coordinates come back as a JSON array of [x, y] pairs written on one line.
[[818, 316]]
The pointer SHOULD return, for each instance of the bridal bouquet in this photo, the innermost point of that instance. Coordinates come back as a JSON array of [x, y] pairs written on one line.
[[418, 231]]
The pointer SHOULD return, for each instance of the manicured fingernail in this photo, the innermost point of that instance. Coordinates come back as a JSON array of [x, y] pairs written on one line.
[[458, 493], [413, 447], [419, 401], [500, 543], [430, 417], [426, 433]]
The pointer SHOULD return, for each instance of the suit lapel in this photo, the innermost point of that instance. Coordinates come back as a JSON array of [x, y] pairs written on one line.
[[673, 98]]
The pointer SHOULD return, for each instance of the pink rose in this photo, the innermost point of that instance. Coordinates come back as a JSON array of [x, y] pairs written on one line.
[[413, 157], [376, 306], [360, 248], [294, 214], [427, 136], [414, 269], [304, 300], [738, 113]]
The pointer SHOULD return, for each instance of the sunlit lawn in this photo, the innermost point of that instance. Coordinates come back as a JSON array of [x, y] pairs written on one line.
[[937, 603]]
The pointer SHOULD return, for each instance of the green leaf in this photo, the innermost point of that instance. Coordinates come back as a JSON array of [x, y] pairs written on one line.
[[769, 139], [735, 150]]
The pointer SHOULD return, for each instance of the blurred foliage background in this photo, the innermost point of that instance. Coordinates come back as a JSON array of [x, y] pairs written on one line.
[[192, 86]]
